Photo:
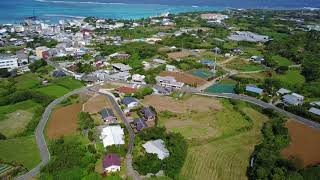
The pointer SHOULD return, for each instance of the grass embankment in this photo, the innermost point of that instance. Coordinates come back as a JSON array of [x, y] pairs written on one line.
[[220, 140], [290, 79]]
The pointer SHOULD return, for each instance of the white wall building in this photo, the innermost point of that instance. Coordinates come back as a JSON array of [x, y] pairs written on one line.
[[157, 147], [112, 135], [8, 61]]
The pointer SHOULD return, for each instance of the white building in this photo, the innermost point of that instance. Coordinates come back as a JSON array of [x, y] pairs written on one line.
[[169, 82], [112, 135], [171, 68], [157, 147], [8, 61], [137, 78]]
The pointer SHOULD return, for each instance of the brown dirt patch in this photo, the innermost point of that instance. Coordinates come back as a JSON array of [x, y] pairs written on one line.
[[179, 54], [96, 103], [63, 121], [185, 78], [196, 103], [304, 144]]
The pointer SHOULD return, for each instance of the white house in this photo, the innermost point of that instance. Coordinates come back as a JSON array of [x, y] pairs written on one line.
[[112, 135], [283, 91], [111, 163], [137, 78], [171, 68], [8, 62], [130, 102], [169, 82], [157, 147]]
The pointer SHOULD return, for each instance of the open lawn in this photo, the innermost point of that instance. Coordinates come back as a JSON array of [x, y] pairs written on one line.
[[304, 143], [22, 150], [15, 122], [244, 65], [27, 81], [282, 61], [220, 139], [290, 79], [68, 82], [54, 90]]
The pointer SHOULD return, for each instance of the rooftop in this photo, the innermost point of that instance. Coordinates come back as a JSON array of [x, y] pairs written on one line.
[[111, 160], [157, 147]]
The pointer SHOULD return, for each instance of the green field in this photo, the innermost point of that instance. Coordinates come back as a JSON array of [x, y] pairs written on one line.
[[220, 141], [27, 81], [282, 61], [53, 90], [68, 83], [244, 66], [290, 79], [22, 150], [202, 73]]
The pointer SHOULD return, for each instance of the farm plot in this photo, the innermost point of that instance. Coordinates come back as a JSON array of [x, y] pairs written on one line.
[[304, 143], [96, 103], [63, 121], [244, 65], [179, 54], [185, 78]]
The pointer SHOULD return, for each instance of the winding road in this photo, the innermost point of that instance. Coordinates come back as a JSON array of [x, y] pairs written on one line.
[[45, 155]]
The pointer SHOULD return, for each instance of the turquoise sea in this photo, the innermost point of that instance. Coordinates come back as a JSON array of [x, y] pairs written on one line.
[[13, 11]]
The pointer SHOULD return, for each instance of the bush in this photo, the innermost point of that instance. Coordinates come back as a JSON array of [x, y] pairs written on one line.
[[85, 121]]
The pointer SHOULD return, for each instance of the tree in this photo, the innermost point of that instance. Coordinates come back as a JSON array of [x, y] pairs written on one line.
[[2, 137], [142, 92], [4, 73], [36, 65], [85, 121]]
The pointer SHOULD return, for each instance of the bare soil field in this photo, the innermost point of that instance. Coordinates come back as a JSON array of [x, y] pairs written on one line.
[[179, 54], [185, 78], [63, 121], [304, 144], [96, 103], [195, 103]]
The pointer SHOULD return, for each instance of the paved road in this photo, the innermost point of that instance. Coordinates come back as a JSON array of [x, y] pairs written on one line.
[[264, 105], [130, 171], [41, 143]]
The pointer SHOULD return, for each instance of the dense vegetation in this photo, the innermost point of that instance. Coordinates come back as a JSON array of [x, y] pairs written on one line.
[[149, 163]]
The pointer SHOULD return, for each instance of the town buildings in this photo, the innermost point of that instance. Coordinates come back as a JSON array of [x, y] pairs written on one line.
[[112, 135], [8, 61]]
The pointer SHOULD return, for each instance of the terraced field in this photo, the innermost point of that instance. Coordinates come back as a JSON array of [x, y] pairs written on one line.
[[226, 157]]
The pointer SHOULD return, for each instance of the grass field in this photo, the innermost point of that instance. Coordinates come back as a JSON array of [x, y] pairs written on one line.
[[23, 150], [282, 61], [290, 79], [220, 140], [54, 90], [68, 83], [244, 65], [27, 81]]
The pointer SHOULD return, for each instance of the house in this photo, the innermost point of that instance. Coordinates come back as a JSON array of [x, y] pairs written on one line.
[[207, 62], [254, 89], [159, 61], [111, 163], [119, 56], [140, 124], [148, 114], [121, 67], [137, 78], [257, 59], [107, 115], [126, 90], [291, 99], [171, 68], [248, 36], [112, 135], [214, 17], [283, 91], [169, 82], [58, 74], [157, 147], [298, 96], [315, 103], [315, 111], [120, 76], [42, 52], [8, 61], [237, 51], [162, 90], [130, 102]]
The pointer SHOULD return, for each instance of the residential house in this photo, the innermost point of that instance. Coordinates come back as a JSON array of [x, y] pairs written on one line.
[[58, 74], [283, 91], [140, 124], [257, 59], [315, 111], [157, 147], [121, 67], [159, 61], [111, 163], [169, 82], [248, 36], [107, 115], [42, 52], [171, 68], [214, 17], [119, 56], [126, 90], [120, 76], [137, 78], [112, 135], [162, 90], [293, 99], [254, 89], [149, 115], [209, 63], [130, 102]]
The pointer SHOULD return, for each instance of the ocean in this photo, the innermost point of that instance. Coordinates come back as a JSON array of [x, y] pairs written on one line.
[[13, 11]]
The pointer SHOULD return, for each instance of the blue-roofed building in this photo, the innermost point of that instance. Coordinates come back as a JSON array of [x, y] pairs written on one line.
[[208, 62], [254, 89], [140, 124], [290, 99], [130, 102]]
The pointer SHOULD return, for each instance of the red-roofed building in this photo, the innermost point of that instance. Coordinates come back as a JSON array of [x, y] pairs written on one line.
[[125, 90], [111, 163]]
